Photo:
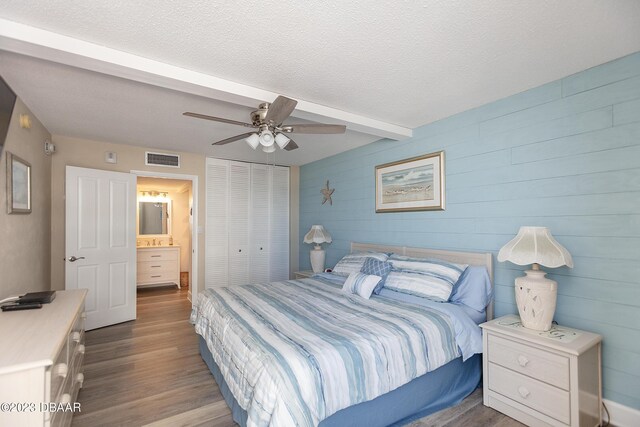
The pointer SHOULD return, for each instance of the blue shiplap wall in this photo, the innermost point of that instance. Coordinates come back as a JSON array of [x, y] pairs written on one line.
[[565, 155]]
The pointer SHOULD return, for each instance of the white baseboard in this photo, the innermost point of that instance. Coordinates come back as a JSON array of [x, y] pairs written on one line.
[[621, 415], [189, 296]]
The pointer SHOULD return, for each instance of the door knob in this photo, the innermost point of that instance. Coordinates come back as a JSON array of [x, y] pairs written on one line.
[[74, 259]]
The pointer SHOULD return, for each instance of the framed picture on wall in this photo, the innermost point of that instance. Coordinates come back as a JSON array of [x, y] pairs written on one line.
[[415, 184], [18, 185]]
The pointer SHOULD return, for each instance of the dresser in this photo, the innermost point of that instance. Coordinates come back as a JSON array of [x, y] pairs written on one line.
[[540, 378], [41, 362], [158, 265]]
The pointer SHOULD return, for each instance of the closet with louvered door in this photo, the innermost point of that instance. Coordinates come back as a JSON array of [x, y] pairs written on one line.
[[279, 224], [247, 223], [260, 221], [216, 230], [238, 221]]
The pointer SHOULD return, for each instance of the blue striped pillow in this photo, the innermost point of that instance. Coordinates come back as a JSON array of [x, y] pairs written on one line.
[[426, 278], [353, 263], [360, 284]]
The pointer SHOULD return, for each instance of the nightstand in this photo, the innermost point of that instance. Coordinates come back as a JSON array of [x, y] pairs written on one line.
[[542, 378], [303, 274]]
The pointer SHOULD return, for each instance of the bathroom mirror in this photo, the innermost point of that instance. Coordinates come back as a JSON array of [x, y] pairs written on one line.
[[154, 218]]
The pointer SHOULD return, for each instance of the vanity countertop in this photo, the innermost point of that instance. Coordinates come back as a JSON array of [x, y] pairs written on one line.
[[158, 247]]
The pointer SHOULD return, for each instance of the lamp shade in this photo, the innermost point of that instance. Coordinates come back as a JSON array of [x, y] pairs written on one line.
[[253, 140], [282, 140], [270, 149], [266, 138], [317, 235], [535, 245]]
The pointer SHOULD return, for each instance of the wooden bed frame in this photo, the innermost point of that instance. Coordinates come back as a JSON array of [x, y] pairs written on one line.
[[484, 259]]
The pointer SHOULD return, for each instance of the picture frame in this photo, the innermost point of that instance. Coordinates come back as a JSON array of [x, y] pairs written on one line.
[[414, 184], [18, 185]]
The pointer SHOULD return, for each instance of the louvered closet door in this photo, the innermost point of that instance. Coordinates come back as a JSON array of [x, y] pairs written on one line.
[[279, 227], [260, 223], [216, 228], [238, 232]]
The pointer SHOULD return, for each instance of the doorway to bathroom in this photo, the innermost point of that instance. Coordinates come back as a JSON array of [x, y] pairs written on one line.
[[166, 238]]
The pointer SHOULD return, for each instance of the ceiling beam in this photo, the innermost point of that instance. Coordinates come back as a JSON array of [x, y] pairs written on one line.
[[50, 46]]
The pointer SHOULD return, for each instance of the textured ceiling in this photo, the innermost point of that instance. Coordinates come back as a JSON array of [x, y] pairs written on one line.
[[407, 63]]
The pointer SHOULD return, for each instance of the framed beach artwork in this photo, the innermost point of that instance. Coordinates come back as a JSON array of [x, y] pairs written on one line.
[[415, 184], [18, 185]]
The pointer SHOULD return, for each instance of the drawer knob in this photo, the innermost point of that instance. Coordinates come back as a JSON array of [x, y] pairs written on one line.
[[65, 398], [523, 392], [75, 336], [80, 379], [522, 361], [61, 370], [81, 349]]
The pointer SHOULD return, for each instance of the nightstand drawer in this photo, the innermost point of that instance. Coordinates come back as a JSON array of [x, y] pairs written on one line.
[[537, 395], [541, 365]]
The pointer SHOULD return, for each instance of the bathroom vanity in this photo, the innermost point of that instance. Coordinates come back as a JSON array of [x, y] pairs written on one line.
[[158, 265]]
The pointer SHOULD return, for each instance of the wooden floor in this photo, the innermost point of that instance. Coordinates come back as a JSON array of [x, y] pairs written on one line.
[[149, 372]]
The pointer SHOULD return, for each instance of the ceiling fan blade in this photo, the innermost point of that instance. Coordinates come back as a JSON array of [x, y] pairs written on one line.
[[233, 139], [217, 119], [280, 109], [314, 128], [291, 145]]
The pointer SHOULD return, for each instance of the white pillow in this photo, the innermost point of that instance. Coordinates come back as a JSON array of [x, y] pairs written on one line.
[[361, 284], [353, 263]]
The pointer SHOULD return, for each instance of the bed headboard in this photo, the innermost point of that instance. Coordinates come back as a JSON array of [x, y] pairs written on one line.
[[484, 259]]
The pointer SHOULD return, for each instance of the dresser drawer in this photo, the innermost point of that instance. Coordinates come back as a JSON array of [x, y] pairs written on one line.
[[542, 365], [158, 254], [537, 395], [158, 277], [158, 266]]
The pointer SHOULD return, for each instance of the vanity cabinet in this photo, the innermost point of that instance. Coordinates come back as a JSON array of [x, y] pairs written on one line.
[[158, 265]]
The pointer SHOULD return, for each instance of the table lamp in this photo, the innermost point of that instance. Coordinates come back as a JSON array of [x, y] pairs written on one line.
[[317, 235], [535, 294]]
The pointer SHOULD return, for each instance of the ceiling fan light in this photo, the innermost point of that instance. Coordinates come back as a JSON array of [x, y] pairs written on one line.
[[266, 138], [282, 140], [269, 149], [253, 140]]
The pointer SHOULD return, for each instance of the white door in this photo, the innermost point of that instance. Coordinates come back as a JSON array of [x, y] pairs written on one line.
[[238, 222], [259, 228], [216, 229], [279, 224], [101, 243]]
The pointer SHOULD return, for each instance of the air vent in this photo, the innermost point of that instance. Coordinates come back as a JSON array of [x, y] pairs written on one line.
[[162, 159]]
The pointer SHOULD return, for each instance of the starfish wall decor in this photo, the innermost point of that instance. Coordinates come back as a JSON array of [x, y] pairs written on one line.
[[326, 193]]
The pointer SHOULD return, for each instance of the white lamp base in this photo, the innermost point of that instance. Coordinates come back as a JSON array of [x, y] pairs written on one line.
[[317, 259], [536, 298]]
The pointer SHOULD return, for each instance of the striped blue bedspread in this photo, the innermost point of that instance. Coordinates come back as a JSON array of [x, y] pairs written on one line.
[[295, 352]]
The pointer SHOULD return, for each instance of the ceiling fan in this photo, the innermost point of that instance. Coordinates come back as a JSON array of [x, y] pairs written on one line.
[[268, 120]]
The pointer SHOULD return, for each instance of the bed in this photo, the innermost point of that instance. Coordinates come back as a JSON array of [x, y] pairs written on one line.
[[301, 352]]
